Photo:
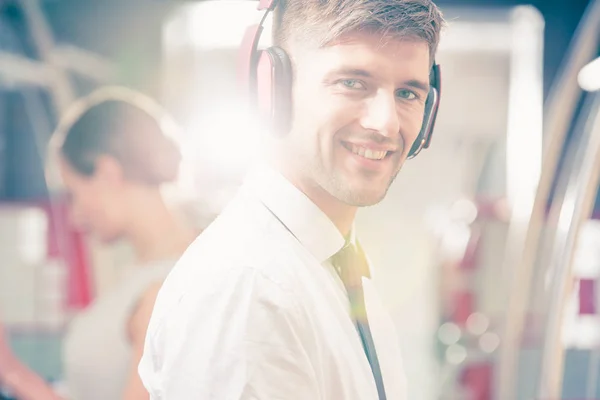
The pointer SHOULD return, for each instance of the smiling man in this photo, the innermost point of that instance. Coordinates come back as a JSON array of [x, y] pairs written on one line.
[[274, 300]]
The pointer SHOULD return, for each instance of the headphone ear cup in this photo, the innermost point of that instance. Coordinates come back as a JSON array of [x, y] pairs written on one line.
[[274, 87], [264, 85], [423, 138]]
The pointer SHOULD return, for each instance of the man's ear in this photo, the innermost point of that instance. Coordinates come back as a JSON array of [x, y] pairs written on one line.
[[109, 170]]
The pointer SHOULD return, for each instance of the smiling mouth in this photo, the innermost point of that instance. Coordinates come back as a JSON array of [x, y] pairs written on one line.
[[369, 154]]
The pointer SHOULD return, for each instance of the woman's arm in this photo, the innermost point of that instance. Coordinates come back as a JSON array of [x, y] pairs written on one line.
[[23, 383], [138, 325]]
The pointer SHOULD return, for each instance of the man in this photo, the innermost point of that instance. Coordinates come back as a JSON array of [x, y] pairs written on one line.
[[266, 304]]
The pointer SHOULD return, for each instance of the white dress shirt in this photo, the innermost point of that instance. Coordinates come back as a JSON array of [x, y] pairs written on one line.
[[255, 310]]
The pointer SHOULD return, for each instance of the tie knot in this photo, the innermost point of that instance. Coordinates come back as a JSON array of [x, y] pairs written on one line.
[[350, 261]]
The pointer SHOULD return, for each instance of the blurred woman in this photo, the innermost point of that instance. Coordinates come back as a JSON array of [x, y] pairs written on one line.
[[114, 156]]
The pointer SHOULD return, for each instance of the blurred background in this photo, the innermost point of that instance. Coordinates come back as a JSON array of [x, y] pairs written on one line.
[[487, 246]]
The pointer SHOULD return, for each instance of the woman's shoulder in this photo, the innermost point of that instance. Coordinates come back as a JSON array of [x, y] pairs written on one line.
[[133, 284], [141, 278], [152, 269]]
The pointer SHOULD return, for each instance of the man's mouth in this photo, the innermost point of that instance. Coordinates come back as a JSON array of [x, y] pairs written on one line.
[[365, 152]]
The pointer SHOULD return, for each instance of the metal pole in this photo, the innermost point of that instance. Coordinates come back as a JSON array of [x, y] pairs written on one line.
[[573, 211], [61, 89], [527, 218]]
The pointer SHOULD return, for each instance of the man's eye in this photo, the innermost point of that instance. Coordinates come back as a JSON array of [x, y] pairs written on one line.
[[352, 84], [406, 94]]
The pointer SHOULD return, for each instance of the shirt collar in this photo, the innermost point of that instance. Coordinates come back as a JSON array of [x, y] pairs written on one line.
[[303, 218]]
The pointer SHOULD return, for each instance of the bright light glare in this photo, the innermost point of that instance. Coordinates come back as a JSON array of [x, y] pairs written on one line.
[[464, 210], [478, 323], [455, 241], [581, 332], [489, 342], [226, 140], [456, 354], [524, 133], [32, 231], [587, 252], [449, 333], [589, 76], [214, 24]]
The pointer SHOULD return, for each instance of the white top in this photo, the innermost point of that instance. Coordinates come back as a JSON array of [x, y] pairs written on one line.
[[97, 351], [254, 310]]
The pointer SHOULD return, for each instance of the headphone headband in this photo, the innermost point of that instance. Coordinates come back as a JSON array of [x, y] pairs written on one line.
[[431, 108], [248, 49], [268, 5], [436, 82]]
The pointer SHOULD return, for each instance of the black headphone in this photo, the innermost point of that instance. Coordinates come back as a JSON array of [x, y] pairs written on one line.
[[268, 76]]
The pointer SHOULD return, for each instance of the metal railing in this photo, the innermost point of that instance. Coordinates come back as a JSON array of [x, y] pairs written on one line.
[[528, 217]]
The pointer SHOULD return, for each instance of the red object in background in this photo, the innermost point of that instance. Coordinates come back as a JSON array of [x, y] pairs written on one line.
[[476, 379], [493, 208], [587, 297], [470, 258], [463, 307], [67, 244]]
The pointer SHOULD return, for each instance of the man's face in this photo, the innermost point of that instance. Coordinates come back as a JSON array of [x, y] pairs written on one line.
[[358, 106]]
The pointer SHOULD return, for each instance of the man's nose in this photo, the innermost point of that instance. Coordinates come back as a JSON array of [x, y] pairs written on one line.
[[381, 115]]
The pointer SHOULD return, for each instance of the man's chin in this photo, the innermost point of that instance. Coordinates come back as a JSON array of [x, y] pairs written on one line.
[[369, 202], [364, 198]]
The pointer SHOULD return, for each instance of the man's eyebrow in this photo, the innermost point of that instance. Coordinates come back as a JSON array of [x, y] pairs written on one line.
[[417, 84], [414, 83], [352, 72]]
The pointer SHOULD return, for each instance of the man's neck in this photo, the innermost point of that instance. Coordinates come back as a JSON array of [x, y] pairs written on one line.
[[341, 214]]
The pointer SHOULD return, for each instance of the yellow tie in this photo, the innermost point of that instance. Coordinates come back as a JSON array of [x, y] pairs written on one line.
[[352, 265]]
